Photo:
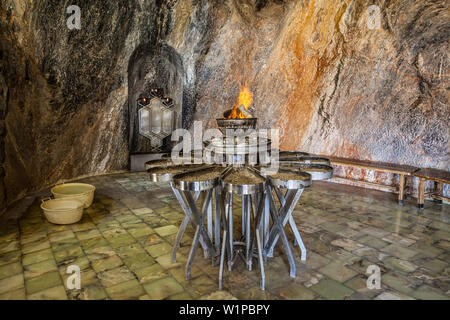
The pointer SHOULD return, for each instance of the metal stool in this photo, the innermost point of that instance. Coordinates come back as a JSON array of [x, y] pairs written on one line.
[[281, 216], [186, 192], [189, 218], [252, 209]]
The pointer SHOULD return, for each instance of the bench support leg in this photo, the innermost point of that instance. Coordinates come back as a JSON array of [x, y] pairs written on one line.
[[401, 189], [421, 195], [439, 190]]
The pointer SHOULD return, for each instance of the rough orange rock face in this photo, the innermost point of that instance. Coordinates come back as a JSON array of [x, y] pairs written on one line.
[[318, 71]]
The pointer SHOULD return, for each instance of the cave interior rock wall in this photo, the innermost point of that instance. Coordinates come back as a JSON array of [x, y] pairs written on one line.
[[319, 74]]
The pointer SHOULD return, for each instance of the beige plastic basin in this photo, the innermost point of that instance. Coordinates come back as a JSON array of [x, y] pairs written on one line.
[[79, 191], [62, 210]]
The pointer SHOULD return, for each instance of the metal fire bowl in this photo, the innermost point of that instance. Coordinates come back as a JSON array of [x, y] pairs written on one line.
[[234, 124], [302, 180], [180, 182], [236, 147]]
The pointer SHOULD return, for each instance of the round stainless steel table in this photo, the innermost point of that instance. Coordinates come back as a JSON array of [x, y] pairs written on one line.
[[258, 238]]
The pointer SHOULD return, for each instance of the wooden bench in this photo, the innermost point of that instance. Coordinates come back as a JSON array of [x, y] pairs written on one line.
[[440, 177], [404, 171]]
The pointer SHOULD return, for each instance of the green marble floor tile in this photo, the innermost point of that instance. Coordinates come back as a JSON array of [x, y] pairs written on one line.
[[400, 265], [68, 254], [122, 240], [40, 268], [93, 292], [372, 242], [180, 296], [10, 257], [83, 227], [140, 232], [100, 252], [125, 290], [11, 283], [55, 293], [138, 261], [435, 265], [390, 295], [142, 211], [343, 256], [166, 230], [33, 237], [107, 263], [159, 249], [201, 286], [179, 274], [162, 288], [399, 252], [130, 250], [151, 273], [400, 283], [82, 262], [253, 293], [166, 261], [426, 249], [37, 256], [331, 289], [87, 234], [337, 271], [65, 243], [426, 292], [115, 276], [9, 245], [359, 284], [58, 236], [87, 277], [11, 269], [18, 294], [57, 228], [398, 240], [93, 243], [42, 282]]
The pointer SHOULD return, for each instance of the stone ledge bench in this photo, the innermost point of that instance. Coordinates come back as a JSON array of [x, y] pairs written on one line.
[[404, 171], [440, 177]]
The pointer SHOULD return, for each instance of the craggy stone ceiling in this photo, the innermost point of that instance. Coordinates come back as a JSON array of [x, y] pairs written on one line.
[[318, 73]]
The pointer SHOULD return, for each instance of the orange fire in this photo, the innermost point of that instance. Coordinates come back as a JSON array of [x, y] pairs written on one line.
[[245, 99]]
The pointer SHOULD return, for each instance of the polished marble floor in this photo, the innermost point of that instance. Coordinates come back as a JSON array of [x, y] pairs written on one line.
[[122, 246]]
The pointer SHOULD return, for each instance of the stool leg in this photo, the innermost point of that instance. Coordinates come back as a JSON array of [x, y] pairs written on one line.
[[188, 218], [178, 238], [260, 259], [401, 189], [257, 222], [243, 213], [266, 220], [209, 221], [421, 195], [298, 238], [192, 253], [222, 257], [217, 219], [223, 198], [230, 231], [247, 231]]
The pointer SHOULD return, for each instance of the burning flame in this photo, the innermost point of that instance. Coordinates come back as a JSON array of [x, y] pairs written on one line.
[[245, 99]]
